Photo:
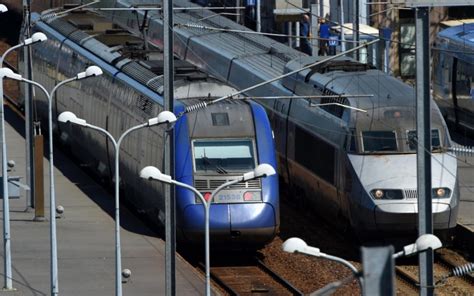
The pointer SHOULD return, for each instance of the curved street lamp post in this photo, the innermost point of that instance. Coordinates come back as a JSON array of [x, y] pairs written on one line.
[[153, 173], [163, 117], [90, 72], [296, 245], [37, 37]]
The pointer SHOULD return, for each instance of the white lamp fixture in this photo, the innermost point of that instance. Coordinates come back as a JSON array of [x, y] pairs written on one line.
[[8, 73], [91, 71], [423, 243], [68, 116], [261, 171], [36, 37], [297, 245], [163, 117], [3, 8], [153, 173]]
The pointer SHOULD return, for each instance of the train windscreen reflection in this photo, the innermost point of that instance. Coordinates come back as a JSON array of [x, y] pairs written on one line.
[[223, 156]]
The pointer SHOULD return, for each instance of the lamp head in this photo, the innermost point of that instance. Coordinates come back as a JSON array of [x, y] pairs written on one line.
[[91, 71], [36, 37], [261, 171], [8, 73], [423, 243], [68, 116], [297, 245], [428, 241], [153, 173], [264, 170], [3, 8], [294, 244], [163, 117]]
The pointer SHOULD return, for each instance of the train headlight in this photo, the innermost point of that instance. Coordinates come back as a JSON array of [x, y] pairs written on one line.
[[387, 194], [378, 194], [441, 192]]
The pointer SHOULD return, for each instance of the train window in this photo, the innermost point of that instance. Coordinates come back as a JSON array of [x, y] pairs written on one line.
[[435, 139], [464, 81], [379, 141], [223, 156]]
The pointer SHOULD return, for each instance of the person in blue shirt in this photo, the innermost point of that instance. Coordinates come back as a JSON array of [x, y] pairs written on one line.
[[305, 33], [324, 34]]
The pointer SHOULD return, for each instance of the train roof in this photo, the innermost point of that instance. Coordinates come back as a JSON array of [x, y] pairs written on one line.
[[345, 76], [131, 55], [462, 34], [458, 41]]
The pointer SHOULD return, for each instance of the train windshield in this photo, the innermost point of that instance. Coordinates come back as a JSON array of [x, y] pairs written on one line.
[[435, 140], [375, 141], [223, 156]]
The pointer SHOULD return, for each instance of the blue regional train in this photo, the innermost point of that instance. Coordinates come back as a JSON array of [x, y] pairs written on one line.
[[213, 145]]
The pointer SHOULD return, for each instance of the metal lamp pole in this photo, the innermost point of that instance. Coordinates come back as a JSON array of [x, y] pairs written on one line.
[[153, 173], [91, 71], [38, 37], [163, 117]]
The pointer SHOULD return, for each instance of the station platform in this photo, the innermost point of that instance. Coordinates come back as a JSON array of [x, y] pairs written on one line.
[[86, 237]]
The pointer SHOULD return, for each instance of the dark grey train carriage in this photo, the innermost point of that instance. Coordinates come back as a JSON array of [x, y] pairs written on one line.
[[351, 166], [453, 75], [213, 145]]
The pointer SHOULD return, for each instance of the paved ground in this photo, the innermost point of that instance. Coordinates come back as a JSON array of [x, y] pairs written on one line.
[[85, 239]]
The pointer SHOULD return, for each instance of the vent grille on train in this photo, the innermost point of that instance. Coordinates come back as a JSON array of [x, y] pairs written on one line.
[[411, 194], [209, 185]]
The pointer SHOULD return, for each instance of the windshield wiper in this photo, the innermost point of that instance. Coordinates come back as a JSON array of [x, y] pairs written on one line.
[[219, 169]]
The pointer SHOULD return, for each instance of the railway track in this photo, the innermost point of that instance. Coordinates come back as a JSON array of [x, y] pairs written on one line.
[[252, 277], [444, 263]]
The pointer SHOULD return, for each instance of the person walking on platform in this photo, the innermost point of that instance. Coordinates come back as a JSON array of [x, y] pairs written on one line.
[[323, 37], [305, 33]]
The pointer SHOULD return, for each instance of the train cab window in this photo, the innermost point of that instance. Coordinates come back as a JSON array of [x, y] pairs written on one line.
[[376, 141], [223, 156], [435, 139]]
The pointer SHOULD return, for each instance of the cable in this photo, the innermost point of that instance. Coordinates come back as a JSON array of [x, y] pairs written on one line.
[[458, 271]]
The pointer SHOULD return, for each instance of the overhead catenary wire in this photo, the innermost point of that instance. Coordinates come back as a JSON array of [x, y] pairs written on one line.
[[307, 97], [145, 8], [202, 27]]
